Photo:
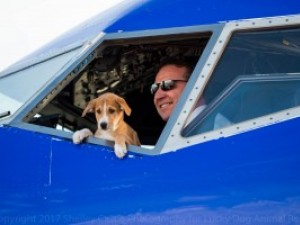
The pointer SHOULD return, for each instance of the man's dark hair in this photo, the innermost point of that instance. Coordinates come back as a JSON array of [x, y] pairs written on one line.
[[179, 62]]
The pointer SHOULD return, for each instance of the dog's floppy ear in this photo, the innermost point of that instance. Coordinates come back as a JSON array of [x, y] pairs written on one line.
[[124, 105], [89, 108]]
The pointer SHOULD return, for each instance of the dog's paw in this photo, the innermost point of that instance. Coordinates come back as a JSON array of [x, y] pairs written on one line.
[[80, 135], [120, 150]]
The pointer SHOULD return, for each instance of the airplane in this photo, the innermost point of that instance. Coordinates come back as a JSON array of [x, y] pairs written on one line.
[[246, 56]]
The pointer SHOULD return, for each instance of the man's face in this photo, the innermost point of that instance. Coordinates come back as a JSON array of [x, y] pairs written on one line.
[[165, 101]]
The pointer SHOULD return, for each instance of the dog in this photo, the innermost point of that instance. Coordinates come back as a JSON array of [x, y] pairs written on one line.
[[109, 111]]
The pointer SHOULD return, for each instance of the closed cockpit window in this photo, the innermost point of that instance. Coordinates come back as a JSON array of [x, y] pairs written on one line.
[[258, 74]]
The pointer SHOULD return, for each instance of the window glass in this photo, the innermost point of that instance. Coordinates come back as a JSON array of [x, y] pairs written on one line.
[[251, 54], [13, 98], [247, 98]]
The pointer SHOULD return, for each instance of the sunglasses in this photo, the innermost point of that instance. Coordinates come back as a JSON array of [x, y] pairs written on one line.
[[164, 85]]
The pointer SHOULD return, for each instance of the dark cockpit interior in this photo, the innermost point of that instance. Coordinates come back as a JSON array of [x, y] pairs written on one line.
[[126, 67]]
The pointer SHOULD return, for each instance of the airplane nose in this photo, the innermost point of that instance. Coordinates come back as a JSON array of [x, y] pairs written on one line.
[[103, 125]]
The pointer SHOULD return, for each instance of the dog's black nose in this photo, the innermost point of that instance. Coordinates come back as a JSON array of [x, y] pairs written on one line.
[[103, 125]]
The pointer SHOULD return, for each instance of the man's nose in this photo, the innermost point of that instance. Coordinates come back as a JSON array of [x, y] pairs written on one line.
[[159, 93]]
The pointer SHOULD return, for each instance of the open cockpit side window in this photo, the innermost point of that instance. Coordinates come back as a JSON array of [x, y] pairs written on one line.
[[123, 66], [258, 74]]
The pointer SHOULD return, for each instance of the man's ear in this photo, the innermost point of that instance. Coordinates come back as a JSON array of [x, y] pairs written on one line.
[[89, 108], [124, 105]]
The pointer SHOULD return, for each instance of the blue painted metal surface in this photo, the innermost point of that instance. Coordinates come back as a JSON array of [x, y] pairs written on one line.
[[157, 14], [49, 180], [249, 178]]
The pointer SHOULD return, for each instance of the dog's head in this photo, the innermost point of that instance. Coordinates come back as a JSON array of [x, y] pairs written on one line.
[[109, 110]]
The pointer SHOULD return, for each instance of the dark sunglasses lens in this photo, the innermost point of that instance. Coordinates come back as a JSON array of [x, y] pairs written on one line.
[[167, 85], [154, 88]]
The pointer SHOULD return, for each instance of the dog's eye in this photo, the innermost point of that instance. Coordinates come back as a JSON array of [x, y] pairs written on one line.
[[111, 111], [98, 111]]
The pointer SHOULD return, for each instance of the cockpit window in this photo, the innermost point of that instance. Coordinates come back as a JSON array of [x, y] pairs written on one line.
[[258, 74], [247, 98], [125, 67]]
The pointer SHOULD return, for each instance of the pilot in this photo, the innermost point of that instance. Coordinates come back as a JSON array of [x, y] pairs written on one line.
[[170, 81]]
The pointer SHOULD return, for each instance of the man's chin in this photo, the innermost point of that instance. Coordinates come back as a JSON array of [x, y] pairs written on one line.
[[165, 116]]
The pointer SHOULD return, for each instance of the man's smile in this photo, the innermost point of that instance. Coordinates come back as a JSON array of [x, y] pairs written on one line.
[[164, 105]]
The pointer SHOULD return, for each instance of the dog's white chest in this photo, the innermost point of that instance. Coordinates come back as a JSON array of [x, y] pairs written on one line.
[[104, 135]]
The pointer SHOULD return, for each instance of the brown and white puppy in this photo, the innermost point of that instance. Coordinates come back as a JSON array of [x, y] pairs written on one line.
[[109, 110]]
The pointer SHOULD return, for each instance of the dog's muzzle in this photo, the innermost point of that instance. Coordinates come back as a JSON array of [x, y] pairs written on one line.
[[103, 125]]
